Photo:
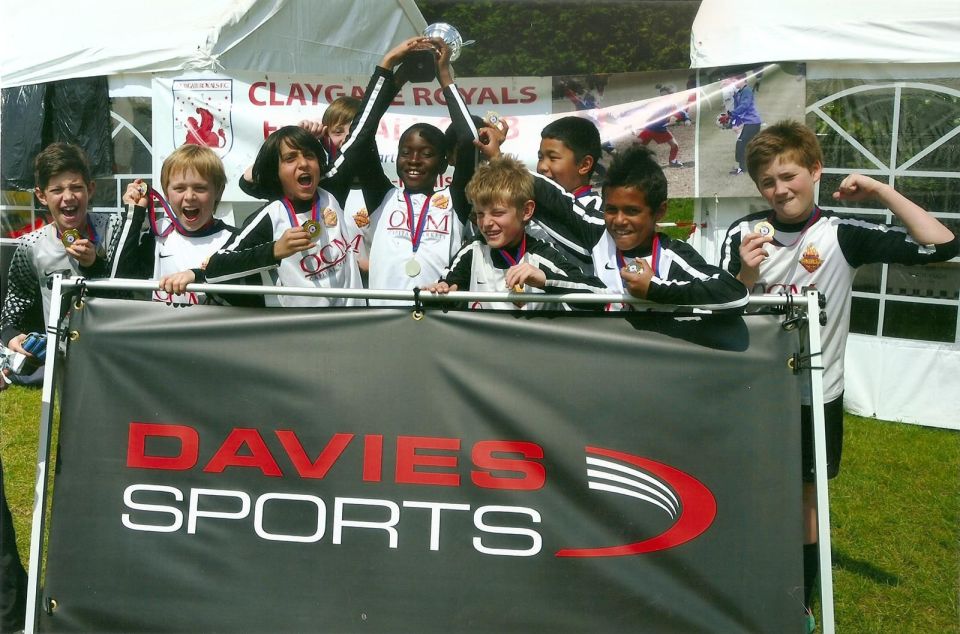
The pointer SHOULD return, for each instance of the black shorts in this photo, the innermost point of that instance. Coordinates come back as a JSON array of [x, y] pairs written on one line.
[[833, 425]]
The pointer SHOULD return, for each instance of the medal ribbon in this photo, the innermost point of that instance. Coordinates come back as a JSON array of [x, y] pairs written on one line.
[[154, 195], [580, 191], [654, 255], [814, 217], [521, 251], [291, 212], [416, 234]]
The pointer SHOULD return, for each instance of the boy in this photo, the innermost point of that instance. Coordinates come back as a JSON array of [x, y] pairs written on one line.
[[505, 257], [74, 243], [570, 151], [804, 246], [627, 252], [174, 247]]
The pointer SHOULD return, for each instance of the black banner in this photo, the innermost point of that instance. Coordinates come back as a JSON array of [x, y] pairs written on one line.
[[226, 470]]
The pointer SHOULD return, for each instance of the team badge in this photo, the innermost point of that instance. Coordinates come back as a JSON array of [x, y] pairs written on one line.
[[362, 218], [329, 217], [810, 259], [69, 237], [440, 201], [202, 113]]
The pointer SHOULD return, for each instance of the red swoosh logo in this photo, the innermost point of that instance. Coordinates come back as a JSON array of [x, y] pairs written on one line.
[[699, 509]]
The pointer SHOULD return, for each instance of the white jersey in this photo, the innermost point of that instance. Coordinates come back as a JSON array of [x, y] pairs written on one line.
[[330, 263], [178, 252], [824, 253], [392, 247]]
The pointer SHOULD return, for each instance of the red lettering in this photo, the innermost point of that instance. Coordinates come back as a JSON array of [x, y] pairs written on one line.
[[357, 92], [251, 94], [186, 457], [408, 459], [318, 468], [314, 90], [296, 94], [333, 91], [442, 227], [421, 96], [532, 475], [530, 93], [372, 458], [272, 97], [268, 129], [351, 245], [468, 94], [439, 97], [486, 94], [259, 458], [505, 96], [398, 219]]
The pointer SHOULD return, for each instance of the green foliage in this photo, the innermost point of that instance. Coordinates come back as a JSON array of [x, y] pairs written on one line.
[[547, 37]]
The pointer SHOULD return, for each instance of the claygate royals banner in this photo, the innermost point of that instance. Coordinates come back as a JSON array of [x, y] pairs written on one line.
[[225, 469]]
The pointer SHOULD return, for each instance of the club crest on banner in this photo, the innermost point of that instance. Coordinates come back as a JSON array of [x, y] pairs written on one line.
[[202, 113]]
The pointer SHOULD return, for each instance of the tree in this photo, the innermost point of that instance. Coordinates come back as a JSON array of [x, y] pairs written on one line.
[[551, 37]]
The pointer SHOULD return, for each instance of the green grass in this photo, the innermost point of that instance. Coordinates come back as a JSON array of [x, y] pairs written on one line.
[[895, 517]]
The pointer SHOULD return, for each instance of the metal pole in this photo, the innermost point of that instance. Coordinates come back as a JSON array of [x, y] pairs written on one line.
[[43, 457], [820, 449]]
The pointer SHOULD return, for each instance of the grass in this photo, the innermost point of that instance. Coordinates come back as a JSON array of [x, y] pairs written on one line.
[[895, 517]]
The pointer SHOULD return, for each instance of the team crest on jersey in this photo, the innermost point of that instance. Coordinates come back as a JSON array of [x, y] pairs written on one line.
[[810, 259], [361, 218], [440, 201], [202, 113], [329, 217]]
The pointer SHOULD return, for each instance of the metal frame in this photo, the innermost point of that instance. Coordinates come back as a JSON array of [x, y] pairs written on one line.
[[811, 313]]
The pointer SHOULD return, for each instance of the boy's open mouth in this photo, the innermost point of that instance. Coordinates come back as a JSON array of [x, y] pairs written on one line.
[[305, 180], [191, 215]]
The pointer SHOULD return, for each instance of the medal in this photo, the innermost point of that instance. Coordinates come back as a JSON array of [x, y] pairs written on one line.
[[69, 237], [634, 267], [313, 229], [412, 267], [143, 188], [518, 288], [764, 228]]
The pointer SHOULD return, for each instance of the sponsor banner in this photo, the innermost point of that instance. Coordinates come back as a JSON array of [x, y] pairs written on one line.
[[233, 115], [224, 469]]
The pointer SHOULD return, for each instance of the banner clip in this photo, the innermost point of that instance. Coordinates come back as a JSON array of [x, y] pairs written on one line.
[[798, 362]]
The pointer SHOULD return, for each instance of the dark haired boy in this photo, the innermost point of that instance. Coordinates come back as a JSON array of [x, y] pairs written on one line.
[[569, 153], [799, 245], [74, 243]]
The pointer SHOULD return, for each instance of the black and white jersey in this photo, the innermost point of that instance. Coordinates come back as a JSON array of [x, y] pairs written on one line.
[[434, 221], [824, 252], [478, 267], [591, 202], [330, 263], [680, 275], [39, 255], [155, 250]]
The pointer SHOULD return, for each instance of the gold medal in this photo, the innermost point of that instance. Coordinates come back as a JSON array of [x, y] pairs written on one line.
[[633, 267], [764, 228], [517, 288], [143, 188], [69, 236], [412, 267], [313, 229]]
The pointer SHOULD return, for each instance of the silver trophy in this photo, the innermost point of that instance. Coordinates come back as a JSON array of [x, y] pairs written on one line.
[[421, 63], [449, 34]]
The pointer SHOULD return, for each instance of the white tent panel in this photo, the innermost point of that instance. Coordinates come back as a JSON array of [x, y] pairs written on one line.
[[106, 37], [748, 31]]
